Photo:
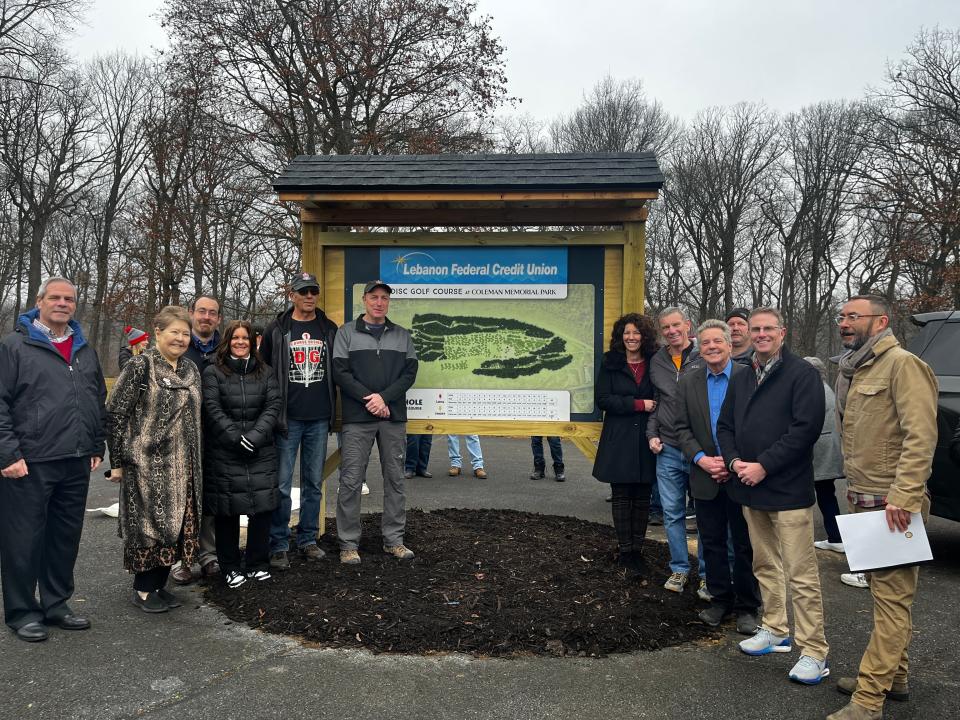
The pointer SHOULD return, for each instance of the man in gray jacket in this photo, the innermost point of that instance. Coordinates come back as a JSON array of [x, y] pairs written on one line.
[[374, 364], [678, 357]]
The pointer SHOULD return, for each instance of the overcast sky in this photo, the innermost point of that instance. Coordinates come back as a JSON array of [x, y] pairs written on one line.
[[690, 54]]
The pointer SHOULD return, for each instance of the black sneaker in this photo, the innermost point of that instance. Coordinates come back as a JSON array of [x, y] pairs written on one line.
[[152, 603], [655, 520], [558, 473], [279, 560], [169, 598], [538, 473]]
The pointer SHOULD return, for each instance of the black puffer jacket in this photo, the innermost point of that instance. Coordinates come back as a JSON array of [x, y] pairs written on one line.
[[243, 402]]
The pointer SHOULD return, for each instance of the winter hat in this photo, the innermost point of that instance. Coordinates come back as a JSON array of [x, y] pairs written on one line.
[[135, 336]]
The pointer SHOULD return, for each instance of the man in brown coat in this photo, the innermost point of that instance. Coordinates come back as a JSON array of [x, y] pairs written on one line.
[[887, 412]]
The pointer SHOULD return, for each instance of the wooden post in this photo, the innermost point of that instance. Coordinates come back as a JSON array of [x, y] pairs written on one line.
[[634, 260], [313, 262]]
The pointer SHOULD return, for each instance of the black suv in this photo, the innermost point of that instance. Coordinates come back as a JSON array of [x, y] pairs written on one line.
[[938, 344]]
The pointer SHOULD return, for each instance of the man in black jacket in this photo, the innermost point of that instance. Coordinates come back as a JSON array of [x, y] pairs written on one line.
[[298, 345], [770, 421], [52, 432], [374, 364]]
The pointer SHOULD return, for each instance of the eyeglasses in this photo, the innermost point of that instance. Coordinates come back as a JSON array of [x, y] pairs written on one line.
[[206, 313], [767, 329], [853, 317], [308, 291]]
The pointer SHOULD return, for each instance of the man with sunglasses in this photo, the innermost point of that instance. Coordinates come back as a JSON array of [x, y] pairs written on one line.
[[887, 415], [297, 345]]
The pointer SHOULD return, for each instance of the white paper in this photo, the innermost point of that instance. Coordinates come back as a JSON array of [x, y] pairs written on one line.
[[870, 545]]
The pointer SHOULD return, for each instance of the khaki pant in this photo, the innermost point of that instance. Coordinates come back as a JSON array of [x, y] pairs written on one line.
[[885, 659], [784, 541]]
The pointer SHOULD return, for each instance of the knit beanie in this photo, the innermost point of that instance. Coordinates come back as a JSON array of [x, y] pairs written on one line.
[[135, 336]]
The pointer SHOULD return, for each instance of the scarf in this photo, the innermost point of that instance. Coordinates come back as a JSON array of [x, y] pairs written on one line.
[[848, 366]]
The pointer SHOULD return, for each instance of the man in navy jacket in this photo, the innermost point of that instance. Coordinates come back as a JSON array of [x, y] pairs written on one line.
[[771, 419], [52, 421]]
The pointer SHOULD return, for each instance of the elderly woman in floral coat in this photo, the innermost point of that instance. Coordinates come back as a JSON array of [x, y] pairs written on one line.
[[154, 437]]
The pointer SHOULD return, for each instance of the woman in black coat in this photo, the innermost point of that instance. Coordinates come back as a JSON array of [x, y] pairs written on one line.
[[625, 394], [241, 406]]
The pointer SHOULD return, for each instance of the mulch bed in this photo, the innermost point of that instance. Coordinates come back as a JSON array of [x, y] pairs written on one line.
[[485, 582]]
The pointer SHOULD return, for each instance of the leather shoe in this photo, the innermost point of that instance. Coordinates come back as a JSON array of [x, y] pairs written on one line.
[[70, 622], [32, 632], [747, 623], [425, 474], [713, 615], [181, 575], [211, 569], [408, 474], [453, 471], [899, 691], [480, 473]]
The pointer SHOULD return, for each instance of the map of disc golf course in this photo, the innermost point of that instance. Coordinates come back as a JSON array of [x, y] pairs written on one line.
[[503, 344]]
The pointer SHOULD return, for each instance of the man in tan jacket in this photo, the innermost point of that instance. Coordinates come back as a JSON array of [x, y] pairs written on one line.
[[887, 411]]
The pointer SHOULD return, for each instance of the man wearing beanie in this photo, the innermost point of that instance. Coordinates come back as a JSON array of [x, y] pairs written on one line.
[[738, 320]]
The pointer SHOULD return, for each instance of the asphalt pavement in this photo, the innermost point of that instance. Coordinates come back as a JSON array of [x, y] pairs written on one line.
[[194, 663]]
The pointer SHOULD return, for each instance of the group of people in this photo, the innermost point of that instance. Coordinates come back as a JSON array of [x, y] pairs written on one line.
[[732, 417], [204, 427]]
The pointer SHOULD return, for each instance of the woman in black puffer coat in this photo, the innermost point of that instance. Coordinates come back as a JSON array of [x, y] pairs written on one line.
[[241, 406], [626, 396]]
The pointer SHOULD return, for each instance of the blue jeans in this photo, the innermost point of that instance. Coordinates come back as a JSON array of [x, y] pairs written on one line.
[[556, 451], [418, 453], [473, 447], [312, 436], [673, 478]]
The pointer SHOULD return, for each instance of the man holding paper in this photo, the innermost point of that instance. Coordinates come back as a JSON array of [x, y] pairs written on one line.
[[887, 412]]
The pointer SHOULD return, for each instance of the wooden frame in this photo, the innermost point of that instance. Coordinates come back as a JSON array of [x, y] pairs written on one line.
[[623, 214]]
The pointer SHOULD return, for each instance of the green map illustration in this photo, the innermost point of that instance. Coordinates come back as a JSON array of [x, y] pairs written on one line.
[[501, 344]]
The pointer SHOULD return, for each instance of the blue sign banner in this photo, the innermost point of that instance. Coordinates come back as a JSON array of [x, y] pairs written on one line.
[[475, 272]]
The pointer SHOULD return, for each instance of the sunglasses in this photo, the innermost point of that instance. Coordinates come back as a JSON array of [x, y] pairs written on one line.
[[308, 291]]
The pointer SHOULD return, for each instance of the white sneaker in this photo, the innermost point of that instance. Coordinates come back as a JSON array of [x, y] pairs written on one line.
[[364, 490], [858, 580], [259, 575], [765, 642], [809, 671], [235, 579], [676, 582], [827, 545]]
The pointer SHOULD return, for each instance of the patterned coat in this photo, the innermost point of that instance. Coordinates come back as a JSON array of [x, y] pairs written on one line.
[[153, 422]]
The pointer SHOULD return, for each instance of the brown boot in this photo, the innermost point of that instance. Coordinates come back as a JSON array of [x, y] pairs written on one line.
[[899, 691], [856, 712]]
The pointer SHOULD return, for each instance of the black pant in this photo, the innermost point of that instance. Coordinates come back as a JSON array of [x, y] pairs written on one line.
[[556, 452], [715, 519], [257, 556], [150, 580], [631, 510], [829, 508], [418, 453], [41, 519]]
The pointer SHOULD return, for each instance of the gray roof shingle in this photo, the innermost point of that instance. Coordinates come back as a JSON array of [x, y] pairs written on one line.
[[424, 173]]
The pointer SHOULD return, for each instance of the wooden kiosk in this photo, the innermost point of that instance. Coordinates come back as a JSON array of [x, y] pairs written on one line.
[[447, 198]]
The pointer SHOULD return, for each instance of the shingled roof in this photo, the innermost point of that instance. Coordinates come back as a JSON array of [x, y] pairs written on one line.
[[426, 173]]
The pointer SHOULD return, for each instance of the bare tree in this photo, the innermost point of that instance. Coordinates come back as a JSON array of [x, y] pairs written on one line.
[[616, 116], [713, 190], [28, 29], [339, 76], [915, 166]]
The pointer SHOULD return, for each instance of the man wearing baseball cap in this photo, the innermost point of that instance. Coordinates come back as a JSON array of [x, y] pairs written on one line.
[[739, 321], [297, 345], [374, 363]]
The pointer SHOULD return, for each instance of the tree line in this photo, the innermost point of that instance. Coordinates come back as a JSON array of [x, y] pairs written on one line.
[[146, 179]]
